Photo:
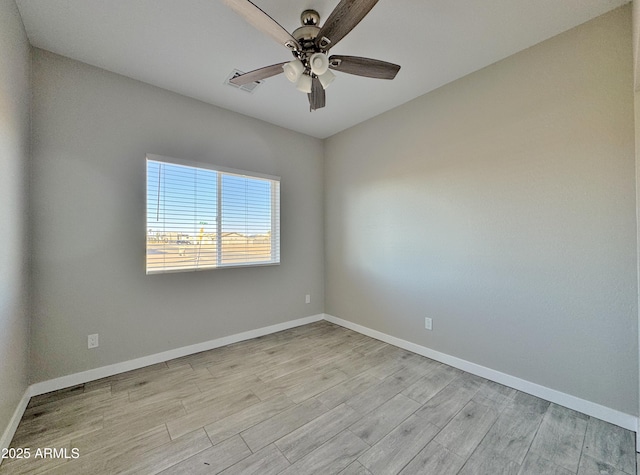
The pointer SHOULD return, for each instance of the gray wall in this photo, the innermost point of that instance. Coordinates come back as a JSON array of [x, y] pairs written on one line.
[[637, 142], [91, 130], [503, 206], [635, 23], [14, 154]]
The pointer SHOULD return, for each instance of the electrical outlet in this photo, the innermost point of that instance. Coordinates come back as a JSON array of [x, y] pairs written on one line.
[[428, 324], [307, 298], [93, 341]]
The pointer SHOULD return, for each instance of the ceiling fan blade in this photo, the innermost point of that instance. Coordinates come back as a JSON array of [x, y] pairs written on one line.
[[263, 22], [371, 68], [317, 96], [257, 74], [342, 20]]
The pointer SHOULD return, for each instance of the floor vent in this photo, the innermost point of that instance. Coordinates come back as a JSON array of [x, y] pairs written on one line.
[[251, 87]]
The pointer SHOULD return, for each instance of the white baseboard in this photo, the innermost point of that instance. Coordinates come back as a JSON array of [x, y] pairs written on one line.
[[105, 371], [598, 411], [592, 409], [7, 436]]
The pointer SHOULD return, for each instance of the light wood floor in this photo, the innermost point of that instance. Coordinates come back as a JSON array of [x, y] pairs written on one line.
[[313, 399]]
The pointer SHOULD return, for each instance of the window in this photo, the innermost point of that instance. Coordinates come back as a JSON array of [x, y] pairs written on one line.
[[204, 217]]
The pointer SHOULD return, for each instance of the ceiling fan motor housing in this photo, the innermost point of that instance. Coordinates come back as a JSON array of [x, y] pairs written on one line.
[[313, 57]]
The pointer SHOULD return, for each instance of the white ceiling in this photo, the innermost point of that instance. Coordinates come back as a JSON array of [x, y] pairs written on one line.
[[191, 46]]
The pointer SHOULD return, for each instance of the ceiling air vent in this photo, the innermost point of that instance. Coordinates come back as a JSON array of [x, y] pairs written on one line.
[[245, 87]]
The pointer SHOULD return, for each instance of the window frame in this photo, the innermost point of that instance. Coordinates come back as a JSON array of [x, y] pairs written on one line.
[[275, 216]]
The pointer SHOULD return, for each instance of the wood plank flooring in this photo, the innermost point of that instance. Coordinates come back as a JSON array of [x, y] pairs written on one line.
[[317, 399]]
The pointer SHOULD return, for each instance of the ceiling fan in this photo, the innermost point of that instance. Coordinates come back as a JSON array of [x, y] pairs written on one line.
[[310, 70]]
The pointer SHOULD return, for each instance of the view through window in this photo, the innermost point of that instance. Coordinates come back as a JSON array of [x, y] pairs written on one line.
[[203, 217]]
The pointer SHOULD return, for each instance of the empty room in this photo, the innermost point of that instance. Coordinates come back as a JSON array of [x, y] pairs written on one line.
[[319, 237]]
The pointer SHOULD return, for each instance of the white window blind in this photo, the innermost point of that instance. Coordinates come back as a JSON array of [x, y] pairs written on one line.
[[203, 217]]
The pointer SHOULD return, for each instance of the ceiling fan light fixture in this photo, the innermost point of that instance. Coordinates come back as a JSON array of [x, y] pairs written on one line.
[[293, 70], [319, 63], [304, 84], [326, 79]]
